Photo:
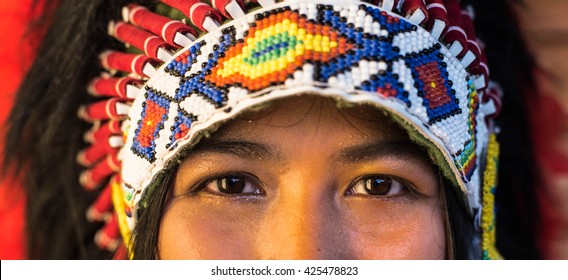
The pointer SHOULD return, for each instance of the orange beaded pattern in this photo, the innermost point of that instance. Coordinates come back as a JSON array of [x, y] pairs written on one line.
[[299, 39]]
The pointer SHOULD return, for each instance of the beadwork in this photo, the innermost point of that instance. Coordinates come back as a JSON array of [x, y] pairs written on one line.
[[488, 216], [386, 60], [351, 51]]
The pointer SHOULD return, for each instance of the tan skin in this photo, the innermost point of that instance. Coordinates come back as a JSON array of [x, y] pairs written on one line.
[[305, 180]]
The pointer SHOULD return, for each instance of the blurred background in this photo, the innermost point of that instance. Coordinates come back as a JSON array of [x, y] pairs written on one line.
[[545, 26]]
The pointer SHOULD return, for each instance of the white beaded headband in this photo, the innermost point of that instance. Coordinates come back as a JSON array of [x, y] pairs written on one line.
[[419, 60]]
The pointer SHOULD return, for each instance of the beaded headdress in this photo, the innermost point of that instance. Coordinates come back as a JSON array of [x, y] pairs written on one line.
[[419, 60]]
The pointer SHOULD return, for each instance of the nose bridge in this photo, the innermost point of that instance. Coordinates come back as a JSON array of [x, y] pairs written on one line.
[[304, 223]]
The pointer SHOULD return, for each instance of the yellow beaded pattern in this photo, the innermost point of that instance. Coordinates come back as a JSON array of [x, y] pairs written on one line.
[[274, 48], [490, 252], [120, 205]]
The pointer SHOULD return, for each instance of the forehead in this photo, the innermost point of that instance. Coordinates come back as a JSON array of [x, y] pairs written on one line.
[[312, 117]]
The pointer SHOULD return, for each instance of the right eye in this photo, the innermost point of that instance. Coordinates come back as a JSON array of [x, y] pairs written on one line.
[[233, 185], [378, 185]]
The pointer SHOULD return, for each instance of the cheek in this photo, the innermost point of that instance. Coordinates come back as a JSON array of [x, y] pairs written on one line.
[[205, 231], [363, 229], [393, 232]]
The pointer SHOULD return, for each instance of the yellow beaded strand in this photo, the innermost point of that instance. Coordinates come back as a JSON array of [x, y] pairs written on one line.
[[119, 202], [490, 252]]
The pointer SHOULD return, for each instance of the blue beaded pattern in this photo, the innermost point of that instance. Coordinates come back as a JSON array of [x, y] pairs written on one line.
[[182, 64], [196, 84], [431, 61], [181, 126], [365, 46], [154, 114]]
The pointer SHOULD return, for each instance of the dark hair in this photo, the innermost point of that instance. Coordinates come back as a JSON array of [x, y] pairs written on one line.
[[461, 225], [145, 234], [44, 135]]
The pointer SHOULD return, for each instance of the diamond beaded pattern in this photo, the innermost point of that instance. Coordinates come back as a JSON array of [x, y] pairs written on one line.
[[357, 53]]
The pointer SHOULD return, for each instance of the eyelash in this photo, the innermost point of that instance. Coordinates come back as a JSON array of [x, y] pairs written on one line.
[[360, 186], [363, 186], [220, 181]]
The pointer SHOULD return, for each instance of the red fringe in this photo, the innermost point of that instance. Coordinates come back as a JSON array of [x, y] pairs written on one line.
[[196, 11], [92, 178], [104, 131], [157, 24], [139, 38], [112, 87], [126, 62]]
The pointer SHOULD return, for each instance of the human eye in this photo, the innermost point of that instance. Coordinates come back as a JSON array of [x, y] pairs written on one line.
[[379, 185], [233, 185]]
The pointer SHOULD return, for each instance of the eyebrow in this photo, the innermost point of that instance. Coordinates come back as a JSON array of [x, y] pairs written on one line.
[[361, 153], [243, 149], [372, 151]]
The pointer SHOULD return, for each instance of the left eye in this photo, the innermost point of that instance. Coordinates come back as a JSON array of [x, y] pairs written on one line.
[[377, 185], [232, 184]]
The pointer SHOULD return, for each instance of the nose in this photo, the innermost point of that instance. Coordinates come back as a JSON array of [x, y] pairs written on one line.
[[305, 223]]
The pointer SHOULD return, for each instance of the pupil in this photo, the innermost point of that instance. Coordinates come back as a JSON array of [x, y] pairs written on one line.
[[378, 186], [231, 185]]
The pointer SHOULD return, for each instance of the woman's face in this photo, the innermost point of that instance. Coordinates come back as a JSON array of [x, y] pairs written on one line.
[[305, 180]]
